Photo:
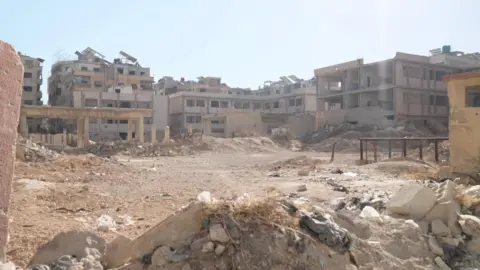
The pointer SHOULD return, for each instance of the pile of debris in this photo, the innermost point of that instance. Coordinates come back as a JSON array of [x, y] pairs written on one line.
[[33, 152], [421, 227]]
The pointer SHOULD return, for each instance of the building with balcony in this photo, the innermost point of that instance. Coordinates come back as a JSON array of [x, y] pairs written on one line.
[[405, 87], [187, 109], [92, 81], [32, 80], [168, 85]]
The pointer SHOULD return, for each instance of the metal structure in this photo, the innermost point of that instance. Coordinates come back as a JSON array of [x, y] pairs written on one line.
[[374, 141]]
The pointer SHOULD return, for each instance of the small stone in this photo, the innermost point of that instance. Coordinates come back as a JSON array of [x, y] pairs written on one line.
[[302, 188], [423, 226], [439, 228], [164, 254], [441, 264], [218, 234], [473, 245], [186, 267], [273, 174], [219, 249], [198, 244], [434, 247], [204, 196], [208, 247], [369, 212], [413, 201], [451, 241], [303, 173], [8, 266]]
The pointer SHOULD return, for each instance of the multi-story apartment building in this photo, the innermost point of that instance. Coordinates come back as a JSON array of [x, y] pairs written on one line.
[[92, 81], [187, 108], [406, 86], [32, 80], [167, 85]]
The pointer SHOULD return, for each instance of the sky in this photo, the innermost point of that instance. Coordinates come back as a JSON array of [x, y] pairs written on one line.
[[246, 42]]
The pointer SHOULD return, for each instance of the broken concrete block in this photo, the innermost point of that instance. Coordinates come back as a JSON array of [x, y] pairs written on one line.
[[218, 234], [172, 231], [441, 264], [439, 228], [470, 225], [7, 266], [303, 172], [302, 188], [369, 212], [208, 247], [445, 191], [470, 196], [74, 243], [446, 212], [451, 241], [204, 196], [434, 247], [423, 226], [219, 249], [118, 252], [473, 245], [413, 201], [197, 245], [136, 265], [164, 254]]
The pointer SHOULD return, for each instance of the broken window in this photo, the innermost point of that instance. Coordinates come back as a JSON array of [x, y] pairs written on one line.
[[96, 69], [27, 88], [142, 73], [97, 83], [131, 72], [214, 104], [246, 105], [298, 102], [90, 102], [266, 106], [117, 90], [218, 130], [203, 90], [291, 102], [29, 63], [200, 103], [193, 119], [125, 104], [223, 104], [28, 102], [27, 75], [237, 105], [83, 68], [257, 106], [190, 103], [218, 122], [276, 104], [120, 70], [441, 101], [439, 74], [473, 96], [134, 86]]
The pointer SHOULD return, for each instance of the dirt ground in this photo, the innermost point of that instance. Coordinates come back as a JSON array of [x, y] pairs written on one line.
[[75, 191]]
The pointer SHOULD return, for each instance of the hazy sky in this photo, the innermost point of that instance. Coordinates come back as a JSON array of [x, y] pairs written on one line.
[[246, 42]]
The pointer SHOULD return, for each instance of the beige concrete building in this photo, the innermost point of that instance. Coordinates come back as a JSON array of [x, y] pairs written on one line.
[[32, 80], [407, 86], [188, 108], [92, 81], [168, 85]]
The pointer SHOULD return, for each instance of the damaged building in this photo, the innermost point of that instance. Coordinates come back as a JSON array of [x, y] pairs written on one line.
[[31, 95], [92, 81], [405, 87]]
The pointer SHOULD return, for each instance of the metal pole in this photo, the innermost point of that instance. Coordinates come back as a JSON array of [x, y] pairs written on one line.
[[375, 151], [404, 148], [420, 150], [436, 150], [389, 148], [361, 149]]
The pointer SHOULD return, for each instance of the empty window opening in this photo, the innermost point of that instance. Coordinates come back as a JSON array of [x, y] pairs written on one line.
[[142, 73], [214, 104], [117, 90], [96, 69], [257, 106], [276, 105], [28, 102], [291, 102], [134, 86], [28, 89], [473, 96], [298, 102], [120, 70], [131, 72], [84, 69], [98, 84], [223, 104], [27, 75], [200, 103]]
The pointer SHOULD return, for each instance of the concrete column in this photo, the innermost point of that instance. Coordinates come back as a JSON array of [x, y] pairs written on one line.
[[11, 81], [139, 130], [23, 126], [129, 130], [65, 137], [166, 136], [154, 133], [86, 132], [80, 126]]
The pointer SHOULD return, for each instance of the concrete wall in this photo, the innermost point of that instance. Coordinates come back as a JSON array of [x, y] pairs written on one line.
[[10, 101], [247, 123], [365, 115], [300, 125], [464, 127]]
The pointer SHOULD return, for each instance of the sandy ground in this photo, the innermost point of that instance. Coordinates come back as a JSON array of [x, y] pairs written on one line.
[[138, 193]]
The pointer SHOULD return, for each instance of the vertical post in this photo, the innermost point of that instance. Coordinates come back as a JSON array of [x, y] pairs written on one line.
[[65, 138], [332, 157], [80, 126], [389, 148], [420, 150], [375, 151], [436, 150], [129, 130], [166, 136], [86, 132], [361, 149], [23, 126], [139, 133], [404, 148], [153, 132], [366, 150]]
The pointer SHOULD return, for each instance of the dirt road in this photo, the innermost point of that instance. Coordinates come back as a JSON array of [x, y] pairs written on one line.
[[138, 193]]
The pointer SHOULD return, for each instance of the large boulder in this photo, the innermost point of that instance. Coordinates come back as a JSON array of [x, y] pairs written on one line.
[[73, 243], [412, 201]]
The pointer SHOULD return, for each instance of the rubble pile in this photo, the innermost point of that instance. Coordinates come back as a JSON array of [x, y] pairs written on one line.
[[346, 135], [32, 152]]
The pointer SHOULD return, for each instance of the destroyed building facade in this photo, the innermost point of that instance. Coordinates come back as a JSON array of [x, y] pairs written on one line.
[[405, 87], [32, 80], [92, 81]]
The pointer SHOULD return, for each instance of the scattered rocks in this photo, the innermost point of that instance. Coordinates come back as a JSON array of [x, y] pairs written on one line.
[[434, 246], [302, 188], [273, 174], [208, 247], [219, 249], [369, 212], [439, 228], [470, 225]]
